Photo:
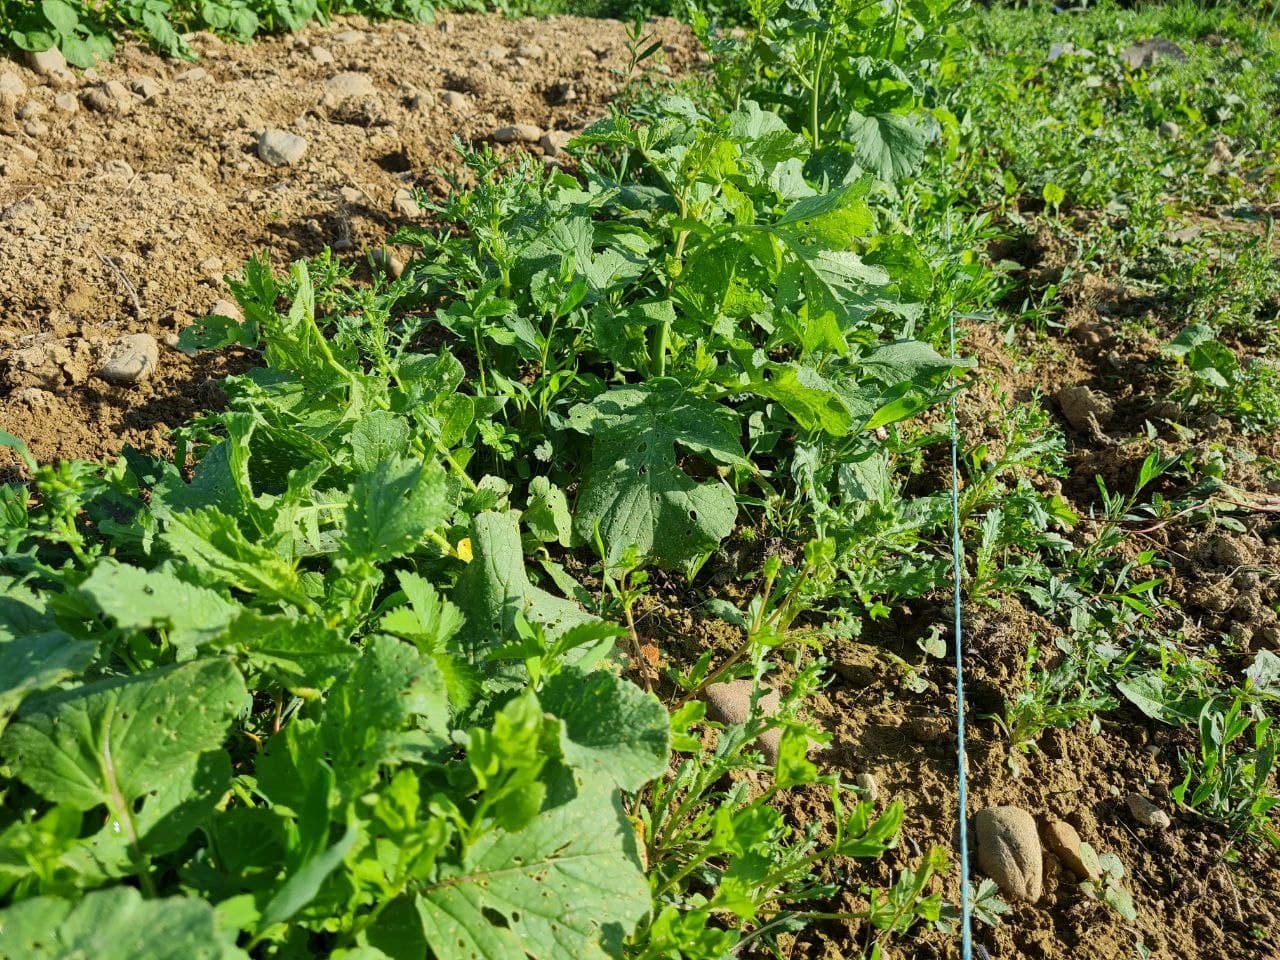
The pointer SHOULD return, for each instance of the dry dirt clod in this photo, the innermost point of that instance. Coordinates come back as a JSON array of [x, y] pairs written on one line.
[[11, 86], [520, 132], [280, 148], [731, 703], [45, 62], [225, 308], [455, 100], [1221, 152], [145, 87], [1147, 813], [129, 360], [322, 55], [1084, 409], [349, 36], [67, 102], [194, 75], [112, 97], [1062, 839], [349, 84], [1009, 851]]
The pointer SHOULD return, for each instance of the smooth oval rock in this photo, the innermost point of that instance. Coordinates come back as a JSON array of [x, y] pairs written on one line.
[[731, 703], [519, 132], [1009, 851], [867, 783], [112, 97], [280, 148], [1147, 813], [1063, 840], [129, 360], [45, 62]]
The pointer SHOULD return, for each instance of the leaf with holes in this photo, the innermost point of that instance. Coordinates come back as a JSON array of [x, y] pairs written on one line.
[[566, 886], [118, 740], [635, 488]]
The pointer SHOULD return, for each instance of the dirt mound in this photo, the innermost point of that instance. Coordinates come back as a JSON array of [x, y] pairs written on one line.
[[127, 193]]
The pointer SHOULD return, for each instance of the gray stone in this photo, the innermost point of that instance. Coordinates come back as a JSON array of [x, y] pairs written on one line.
[[35, 129], [1009, 851], [321, 55], [32, 110], [194, 75], [145, 87], [553, 142], [1147, 813], [1083, 408], [1145, 53], [280, 148], [530, 51], [11, 85], [349, 36], [731, 703], [348, 84], [45, 62], [455, 101], [1170, 129], [228, 309], [405, 205], [520, 132], [129, 360], [67, 103]]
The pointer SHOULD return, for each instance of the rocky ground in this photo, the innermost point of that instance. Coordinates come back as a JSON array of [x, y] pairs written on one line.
[[127, 192]]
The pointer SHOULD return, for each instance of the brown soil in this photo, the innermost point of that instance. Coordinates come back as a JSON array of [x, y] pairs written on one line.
[[127, 223]]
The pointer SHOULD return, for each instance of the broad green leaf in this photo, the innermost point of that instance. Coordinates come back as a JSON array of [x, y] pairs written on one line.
[[495, 589], [378, 436], [35, 662], [392, 507], [115, 924], [568, 886], [547, 516], [138, 599], [635, 489], [115, 741], [611, 726], [293, 652], [368, 709], [890, 145], [301, 888], [807, 396]]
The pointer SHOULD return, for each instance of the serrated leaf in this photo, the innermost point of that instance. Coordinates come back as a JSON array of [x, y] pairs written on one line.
[[112, 742], [611, 726], [367, 710], [115, 924], [291, 651], [392, 507], [379, 435], [568, 886], [139, 599], [635, 489]]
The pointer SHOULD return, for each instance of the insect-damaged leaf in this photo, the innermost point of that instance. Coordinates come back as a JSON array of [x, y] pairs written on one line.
[[635, 489], [568, 886], [115, 741]]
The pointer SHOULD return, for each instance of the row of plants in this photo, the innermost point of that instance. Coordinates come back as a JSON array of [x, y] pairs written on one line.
[[356, 672]]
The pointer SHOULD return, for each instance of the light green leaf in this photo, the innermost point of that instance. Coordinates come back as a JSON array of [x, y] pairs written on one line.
[[392, 507], [377, 436], [38, 661], [115, 924], [807, 396], [157, 600], [293, 652], [610, 726], [495, 588], [890, 145], [568, 886], [635, 489], [301, 888]]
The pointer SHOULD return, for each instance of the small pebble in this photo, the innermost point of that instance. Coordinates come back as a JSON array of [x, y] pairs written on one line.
[[731, 703], [404, 204], [349, 36], [1062, 838], [387, 262], [455, 100], [866, 782], [1147, 813], [522, 132], [228, 309], [45, 62], [129, 360], [280, 148], [553, 142], [145, 87], [193, 75], [67, 102], [322, 55], [112, 97]]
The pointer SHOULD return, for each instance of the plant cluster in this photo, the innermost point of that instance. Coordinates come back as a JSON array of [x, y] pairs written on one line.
[[324, 682]]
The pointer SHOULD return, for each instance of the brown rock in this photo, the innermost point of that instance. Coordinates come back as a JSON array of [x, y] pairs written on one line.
[[1009, 851], [1083, 409], [1147, 813], [129, 359], [520, 132], [731, 703], [1062, 839]]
